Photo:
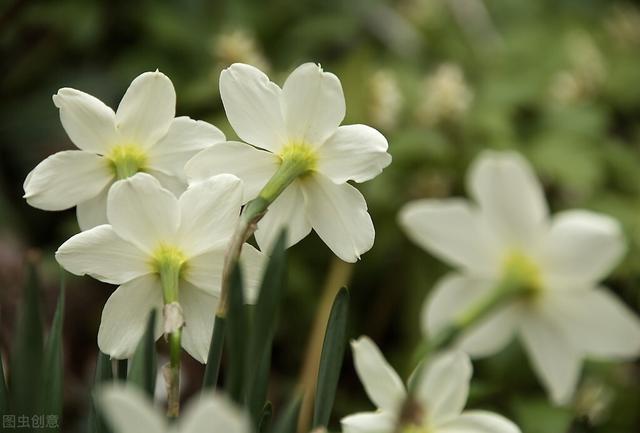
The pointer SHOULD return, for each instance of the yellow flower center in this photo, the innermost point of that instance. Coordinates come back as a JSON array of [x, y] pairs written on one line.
[[300, 155], [127, 159], [524, 271], [170, 263]]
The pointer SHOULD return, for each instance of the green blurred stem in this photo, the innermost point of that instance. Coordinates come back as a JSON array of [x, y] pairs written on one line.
[[170, 280], [512, 287]]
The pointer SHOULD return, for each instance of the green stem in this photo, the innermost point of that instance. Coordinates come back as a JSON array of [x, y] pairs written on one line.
[[170, 280], [215, 354]]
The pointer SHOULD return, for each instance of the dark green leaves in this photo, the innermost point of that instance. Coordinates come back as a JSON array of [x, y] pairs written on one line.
[[53, 362], [236, 343], [333, 348], [288, 421], [104, 373], [144, 361], [26, 363], [215, 354]]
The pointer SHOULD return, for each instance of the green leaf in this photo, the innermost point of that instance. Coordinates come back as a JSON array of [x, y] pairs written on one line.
[[26, 363], [265, 418], [4, 391], [237, 328], [104, 373], [53, 361], [288, 421], [333, 348], [263, 329], [212, 369], [144, 361], [121, 369]]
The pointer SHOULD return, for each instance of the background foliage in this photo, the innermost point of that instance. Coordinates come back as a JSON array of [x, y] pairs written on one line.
[[443, 79]]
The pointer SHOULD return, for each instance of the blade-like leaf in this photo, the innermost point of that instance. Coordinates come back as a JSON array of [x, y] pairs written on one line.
[[263, 328], [236, 343], [104, 373], [288, 421], [53, 361], [144, 361], [26, 363], [212, 369], [265, 418], [333, 347]]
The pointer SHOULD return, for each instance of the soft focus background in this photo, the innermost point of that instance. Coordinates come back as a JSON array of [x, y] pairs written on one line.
[[558, 80]]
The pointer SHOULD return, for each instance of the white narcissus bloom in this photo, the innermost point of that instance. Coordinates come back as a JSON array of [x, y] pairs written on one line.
[[299, 123], [127, 410], [150, 234], [566, 316], [440, 395], [143, 135]]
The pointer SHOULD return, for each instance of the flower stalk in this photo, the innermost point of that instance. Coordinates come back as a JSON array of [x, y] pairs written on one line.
[[173, 322]]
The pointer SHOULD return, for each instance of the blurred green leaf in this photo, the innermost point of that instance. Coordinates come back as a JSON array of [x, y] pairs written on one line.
[[237, 341], [26, 362], [122, 366], [4, 392], [263, 328], [52, 402], [104, 373], [144, 361], [537, 415], [333, 348], [288, 421], [212, 369], [265, 418]]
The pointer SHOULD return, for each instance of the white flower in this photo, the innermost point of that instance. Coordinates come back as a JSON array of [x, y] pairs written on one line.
[[440, 395], [301, 121], [568, 316], [143, 135], [127, 410], [151, 231]]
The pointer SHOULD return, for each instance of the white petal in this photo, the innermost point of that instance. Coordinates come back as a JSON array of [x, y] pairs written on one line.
[[338, 213], [556, 362], [177, 185], [209, 213], [254, 166], [369, 422], [89, 123], [581, 248], [510, 197], [380, 380], [205, 270], [185, 138], [199, 310], [93, 212], [128, 410], [65, 179], [354, 152], [288, 210], [313, 104], [252, 104], [453, 231], [143, 212], [455, 294], [147, 109], [597, 323], [444, 386], [477, 421], [125, 316], [102, 254], [214, 413]]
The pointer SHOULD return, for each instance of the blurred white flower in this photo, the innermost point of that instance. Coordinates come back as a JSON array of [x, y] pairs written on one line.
[[239, 46], [151, 232], [446, 97], [385, 100], [127, 410], [567, 316], [143, 135], [440, 396], [299, 122]]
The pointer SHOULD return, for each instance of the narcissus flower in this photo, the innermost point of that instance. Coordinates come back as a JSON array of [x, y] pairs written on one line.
[[298, 127], [440, 396], [153, 239], [566, 315], [127, 410], [143, 135]]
